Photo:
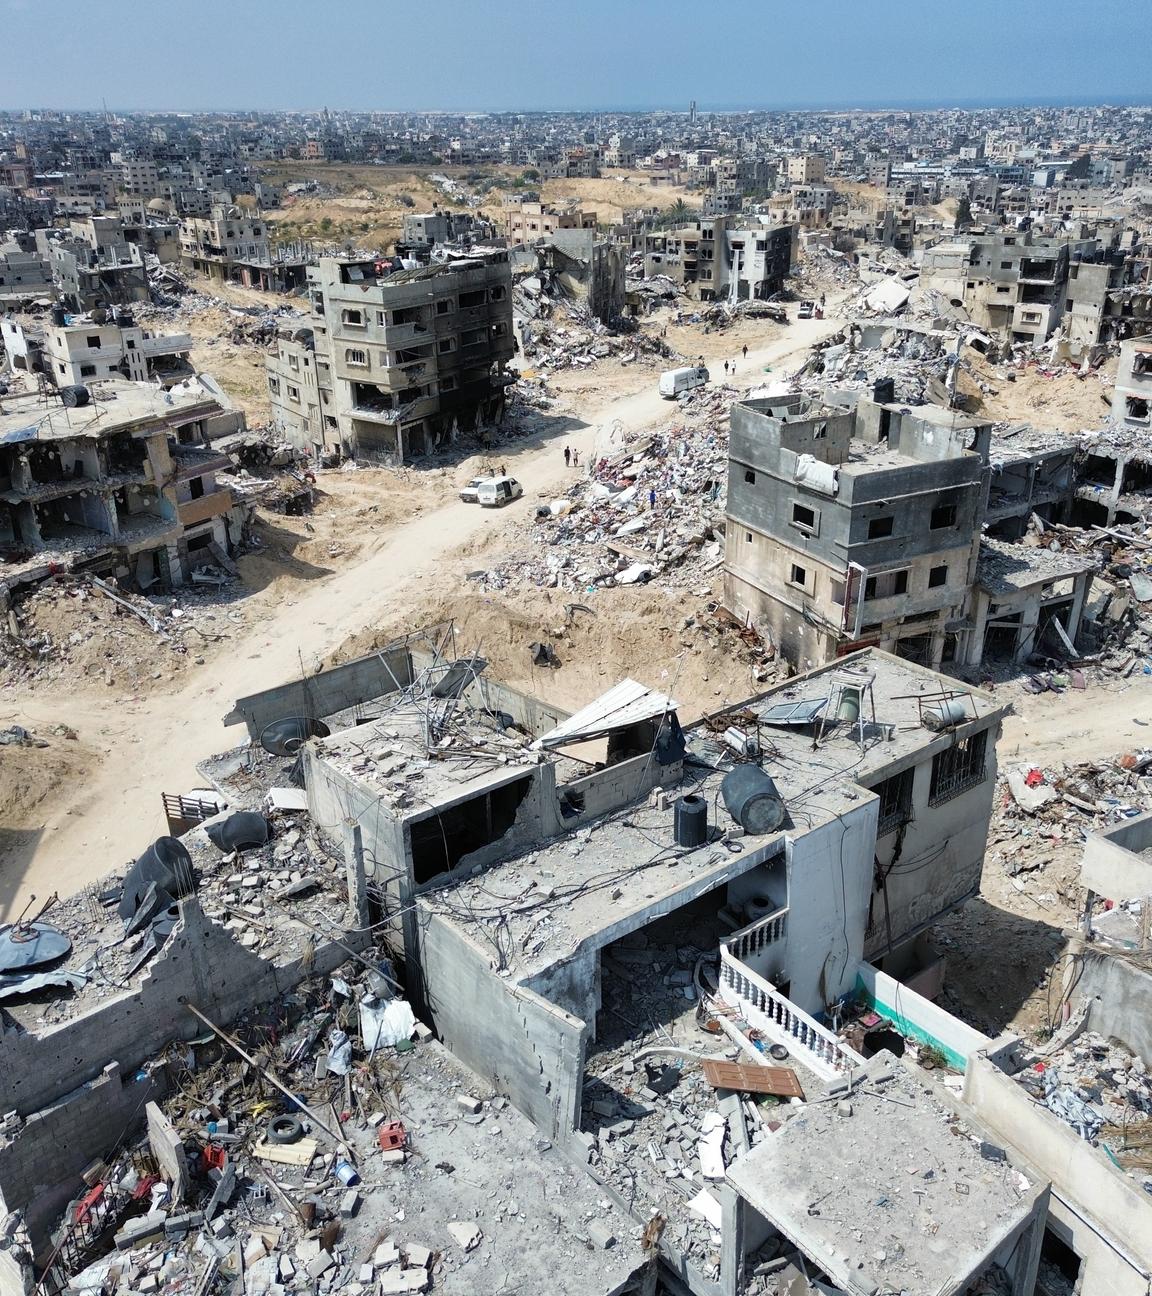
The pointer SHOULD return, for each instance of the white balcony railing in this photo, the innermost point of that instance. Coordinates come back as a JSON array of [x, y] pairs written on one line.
[[758, 935], [779, 1020]]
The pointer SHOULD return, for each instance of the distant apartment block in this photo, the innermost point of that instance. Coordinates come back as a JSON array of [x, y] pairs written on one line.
[[808, 168], [722, 258], [529, 221], [232, 245]]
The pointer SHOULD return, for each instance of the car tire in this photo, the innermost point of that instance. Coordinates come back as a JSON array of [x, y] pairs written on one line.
[[285, 1129]]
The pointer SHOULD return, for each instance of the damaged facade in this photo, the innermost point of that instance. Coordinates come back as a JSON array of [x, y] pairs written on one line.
[[723, 258], [399, 360], [122, 485]]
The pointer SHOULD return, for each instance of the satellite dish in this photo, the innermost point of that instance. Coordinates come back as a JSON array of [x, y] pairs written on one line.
[[30, 945]]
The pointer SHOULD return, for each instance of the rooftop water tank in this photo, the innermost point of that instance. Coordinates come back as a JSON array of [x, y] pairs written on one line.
[[751, 798]]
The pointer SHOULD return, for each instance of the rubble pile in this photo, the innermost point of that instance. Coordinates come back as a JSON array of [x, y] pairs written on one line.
[[72, 628], [822, 269], [388, 1170], [654, 510], [571, 338], [1040, 816], [1104, 1092], [655, 1128], [918, 363]]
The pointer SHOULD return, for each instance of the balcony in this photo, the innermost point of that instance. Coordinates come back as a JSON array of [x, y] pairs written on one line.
[[166, 344], [207, 506], [781, 1021], [757, 936]]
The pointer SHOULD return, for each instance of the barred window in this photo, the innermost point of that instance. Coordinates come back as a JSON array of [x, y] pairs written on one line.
[[959, 768]]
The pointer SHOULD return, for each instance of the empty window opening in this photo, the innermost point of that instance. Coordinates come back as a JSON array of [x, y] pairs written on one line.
[[915, 648], [1136, 407], [94, 342], [353, 317], [879, 527], [886, 585], [802, 517], [943, 515], [444, 306], [937, 576], [476, 298], [799, 575], [959, 768], [749, 476], [442, 840]]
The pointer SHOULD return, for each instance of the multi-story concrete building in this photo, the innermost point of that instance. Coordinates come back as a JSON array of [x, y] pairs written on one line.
[[723, 258], [126, 487], [400, 360], [94, 265], [72, 350], [808, 168], [850, 528], [1132, 397], [525, 222], [23, 273], [1012, 284], [232, 245]]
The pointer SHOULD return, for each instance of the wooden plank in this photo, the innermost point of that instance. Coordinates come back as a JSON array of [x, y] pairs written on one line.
[[780, 1081], [298, 1154]]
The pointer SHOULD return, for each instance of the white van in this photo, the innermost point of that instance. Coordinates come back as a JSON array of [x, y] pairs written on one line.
[[495, 492], [675, 381]]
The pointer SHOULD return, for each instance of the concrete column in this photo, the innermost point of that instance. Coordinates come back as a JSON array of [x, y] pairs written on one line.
[[357, 879], [1029, 620], [937, 650], [975, 646], [1080, 587], [175, 565], [731, 1240]]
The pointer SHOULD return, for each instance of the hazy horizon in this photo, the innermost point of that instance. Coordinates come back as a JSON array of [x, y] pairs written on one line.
[[495, 57]]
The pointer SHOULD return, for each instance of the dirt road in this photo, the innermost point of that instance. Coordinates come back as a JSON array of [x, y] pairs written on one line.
[[152, 745]]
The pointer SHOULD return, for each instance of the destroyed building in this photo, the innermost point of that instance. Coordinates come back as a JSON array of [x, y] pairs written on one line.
[[400, 360], [668, 970], [1132, 397], [233, 245], [1016, 285], [725, 258], [587, 270], [119, 483], [93, 265], [74, 349]]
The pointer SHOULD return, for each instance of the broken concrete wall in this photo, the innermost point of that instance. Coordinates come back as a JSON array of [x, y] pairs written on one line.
[[1112, 864], [317, 696], [1119, 995], [41, 1165], [1096, 1208], [526, 1048], [917, 1017], [201, 964]]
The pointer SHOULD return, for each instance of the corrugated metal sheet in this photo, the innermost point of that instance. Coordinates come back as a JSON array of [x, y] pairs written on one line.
[[628, 703]]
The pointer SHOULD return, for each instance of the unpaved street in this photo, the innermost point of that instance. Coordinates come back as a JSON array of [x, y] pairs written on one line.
[[152, 744]]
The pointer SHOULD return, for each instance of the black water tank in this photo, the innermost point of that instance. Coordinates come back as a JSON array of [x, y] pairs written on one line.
[[884, 391], [752, 800], [59, 316], [691, 821], [75, 397]]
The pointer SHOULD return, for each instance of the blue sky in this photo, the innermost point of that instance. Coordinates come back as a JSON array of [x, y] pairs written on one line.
[[495, 54]]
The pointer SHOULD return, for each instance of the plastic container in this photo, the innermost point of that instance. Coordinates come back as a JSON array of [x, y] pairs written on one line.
[[751, 798], [346, 1174], [690, 819]]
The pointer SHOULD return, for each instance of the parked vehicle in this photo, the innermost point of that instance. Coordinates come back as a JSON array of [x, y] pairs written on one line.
[[495, 492], [807, 310], [675, 381], [470, 493]]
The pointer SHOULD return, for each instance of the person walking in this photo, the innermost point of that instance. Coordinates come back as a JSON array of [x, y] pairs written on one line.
[[651, 497], [575, 458], [567, 456], [725, 368], [745, 350]]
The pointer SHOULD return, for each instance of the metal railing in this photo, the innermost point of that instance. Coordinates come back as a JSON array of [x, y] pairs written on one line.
[[779, 1019]]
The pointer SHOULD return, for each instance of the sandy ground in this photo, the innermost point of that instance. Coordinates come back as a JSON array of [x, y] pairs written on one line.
[[1064, 403], [369, 208], [151, 744]]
